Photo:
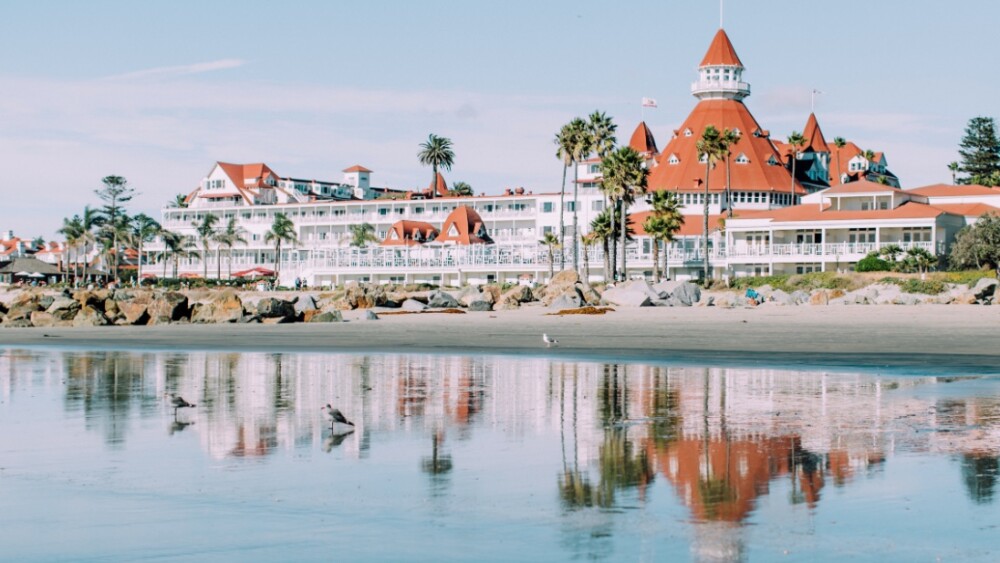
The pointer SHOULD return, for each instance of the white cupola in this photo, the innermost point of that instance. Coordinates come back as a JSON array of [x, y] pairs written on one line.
[[720, 74]]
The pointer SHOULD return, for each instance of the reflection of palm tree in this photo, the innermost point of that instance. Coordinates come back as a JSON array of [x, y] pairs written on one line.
[[438, 464], [980, 474]]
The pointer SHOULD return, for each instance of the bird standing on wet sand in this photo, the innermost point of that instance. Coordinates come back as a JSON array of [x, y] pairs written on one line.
[[178, 402], [549, 341], [336, 416]]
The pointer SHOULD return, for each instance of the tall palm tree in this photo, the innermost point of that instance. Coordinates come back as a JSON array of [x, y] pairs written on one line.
[[91, 220], [144, 229], [728, 139], [954, 168], [206, 234], [362, 234], [601, 229], [72, 229], [113, 232], [624, 172], [550, 241], [564, 141], [662, 224], [601, 129], [176, 246], [797, 141], [709, 148], [840, 143], [228, 237], [282, 230], [583, 144], [437, 153]]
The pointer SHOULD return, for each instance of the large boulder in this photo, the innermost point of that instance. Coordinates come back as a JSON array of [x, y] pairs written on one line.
[[819, 297], [172, 306], [666, 288], [326, 317], [22, 307], [886, 294], [635, 293], [480, 306], [304, 303], [90, 316], [492, 291], [470, 295], [559, 284], [274, 308], [412, 306], [685, 294], [44, 319], [513, 298], [45, 301], [568, 300], [63, 308], [441, 300], [984, 289], [369, 315], [134, 312], [363, 296], [94, 298], [224, 307]]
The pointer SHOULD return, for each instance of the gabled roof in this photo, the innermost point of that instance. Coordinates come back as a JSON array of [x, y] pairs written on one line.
[[29, 265], [693, 225], [947, 190], [861, 187], [812, 212], [239, 173], [721, 52], [409, 233], [357, 168], [756, 175], [642, 140], [463, 226], [967, 209], [841, 158], [440, 187], [814, 136]]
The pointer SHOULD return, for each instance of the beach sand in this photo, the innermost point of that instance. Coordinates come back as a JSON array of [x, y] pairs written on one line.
[[925, 338]]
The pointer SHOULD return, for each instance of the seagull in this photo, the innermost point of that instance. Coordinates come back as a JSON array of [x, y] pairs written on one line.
[[336, 416], [178, 402], [549, 341]]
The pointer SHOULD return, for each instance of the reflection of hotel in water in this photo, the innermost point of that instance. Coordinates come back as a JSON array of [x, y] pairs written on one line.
[[720, 437]]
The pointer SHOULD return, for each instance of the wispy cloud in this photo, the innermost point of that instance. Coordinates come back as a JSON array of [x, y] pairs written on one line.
[[180, 70]]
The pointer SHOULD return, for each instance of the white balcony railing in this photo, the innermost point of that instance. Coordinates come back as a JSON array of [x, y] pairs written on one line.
[[841, 249]]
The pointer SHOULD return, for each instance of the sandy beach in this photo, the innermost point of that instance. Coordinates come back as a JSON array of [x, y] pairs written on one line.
[[938, 338]]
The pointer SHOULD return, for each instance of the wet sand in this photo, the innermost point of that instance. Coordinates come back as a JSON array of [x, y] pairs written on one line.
[[924, 338]]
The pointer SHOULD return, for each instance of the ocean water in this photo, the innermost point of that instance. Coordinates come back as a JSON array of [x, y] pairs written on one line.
[[488, 458]]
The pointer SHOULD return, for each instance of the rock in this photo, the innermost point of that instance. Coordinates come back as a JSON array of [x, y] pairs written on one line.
[[22, 307], [90, 316], [110, 308], [122, 295], [304, 303], [172, 306], [559, 284], [636, 293], [820, 297], [326, 317], [799, 296], [480, 306], [95, 298], [568, 300], [666, 288], [17, 323], [45, 301], [492, 291], [441, 300], [984, 289], [364, 296], [277, 320], [412, 305], [685, 294], [249, 319], [513, 298], [274, 308], [63, 308], [906, 299], [779, 297], [133, 313], [224, 307], [369, 315], [43, 319], [886, 294]]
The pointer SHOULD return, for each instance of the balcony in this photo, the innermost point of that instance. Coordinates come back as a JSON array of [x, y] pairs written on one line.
[[738, 88], [837, 250]]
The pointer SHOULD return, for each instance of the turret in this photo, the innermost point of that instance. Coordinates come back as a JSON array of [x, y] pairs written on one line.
[[720, 74]]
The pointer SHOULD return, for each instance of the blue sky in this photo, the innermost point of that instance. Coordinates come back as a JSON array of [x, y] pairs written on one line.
[[159, 91]]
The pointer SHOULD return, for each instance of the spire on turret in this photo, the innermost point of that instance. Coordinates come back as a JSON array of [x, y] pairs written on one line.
[[720, 72]]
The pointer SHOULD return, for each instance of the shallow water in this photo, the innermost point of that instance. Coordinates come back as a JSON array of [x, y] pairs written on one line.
[[488, 458]]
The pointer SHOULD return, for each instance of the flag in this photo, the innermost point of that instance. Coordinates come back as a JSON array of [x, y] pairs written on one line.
[[648, 103]]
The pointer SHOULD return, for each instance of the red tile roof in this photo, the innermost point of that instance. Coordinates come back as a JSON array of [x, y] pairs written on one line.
[[967, 209], [861, 187], [440, 188], [721, 52], [357, 168], [693, 225], [756, 175], [407, 233], [814, 136], [642, 140], [463, 226], [812, 212], [947, 190]]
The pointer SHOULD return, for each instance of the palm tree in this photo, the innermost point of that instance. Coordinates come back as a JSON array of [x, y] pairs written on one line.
[[72, 229], [954, 168], [582, 145], [601, 229], [438, 154], [588, 240], [180, 200], [891, 253], [564, 141], [552, 242], [624, 178], [662, 224], [710, 150], [728, 139], [144, 229], [282, 230], [90, 220], [228, 237], [461, 189], [111, 234], [839, 142], [601, 129], [921, 259], [796, 140], [206, 234], [176, 246], [362, 234]]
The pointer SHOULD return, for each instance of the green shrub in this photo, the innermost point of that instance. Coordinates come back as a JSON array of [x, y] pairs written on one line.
[[872, 263], [928, 287], [967, 277]]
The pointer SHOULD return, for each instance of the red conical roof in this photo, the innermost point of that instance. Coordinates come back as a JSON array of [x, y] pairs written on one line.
[[679, 168], [814, 136], [439, 187], [642, 140], [721, 52]]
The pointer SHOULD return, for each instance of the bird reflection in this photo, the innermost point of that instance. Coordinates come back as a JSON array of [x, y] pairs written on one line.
[[335, 439], [179, 426]]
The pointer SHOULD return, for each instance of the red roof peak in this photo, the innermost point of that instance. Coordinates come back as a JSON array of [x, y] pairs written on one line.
[[357, 168], [642, 140], [439, 187], [721, 52], [814, 136]]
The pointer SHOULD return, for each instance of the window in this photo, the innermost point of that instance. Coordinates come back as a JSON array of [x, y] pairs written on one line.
[[418, 210], [546, 229], [673, 159], [865, 206], [595, 168], [883, 205], [861, 235], [742, 159], [806, 268], [570, 206], [547, 207], [917, 234], [597, 205], [383, 211], [687, 133]]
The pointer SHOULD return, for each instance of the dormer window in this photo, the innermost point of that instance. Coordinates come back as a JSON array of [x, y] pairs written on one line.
[[453, 231], [673, 159], [736, 131], [742, 159], [703, 159], [687, 133], [771, 161]]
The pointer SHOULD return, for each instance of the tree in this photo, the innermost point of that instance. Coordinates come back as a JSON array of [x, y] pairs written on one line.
[[797, 141], [461, 189], [953, 167], [709, 148], [144, 229], [624, 178], [891, 253], [228, 237], [115, 193], [362, 234], [978, 245], [565, 144], [176, 246], [179, 201], [72, 229], [90, 220], [662, 224], [588, 240], [601, 228], [979, 151], [282, 230], [581, 145], [437, 153], [840, 143], [920, 259], [206, 234], [599, 137], [728, 140], [550, 241]]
